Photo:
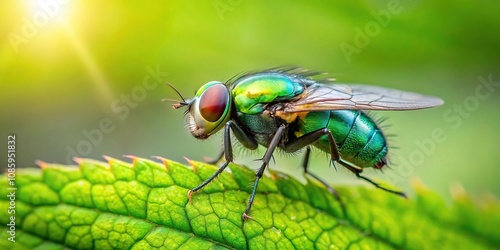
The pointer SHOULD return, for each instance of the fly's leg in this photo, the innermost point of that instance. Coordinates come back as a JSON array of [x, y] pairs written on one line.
[[228, 151], [243, 138], [305, 165], [265, 160], [307, 140], [311, 137], [357, 172]]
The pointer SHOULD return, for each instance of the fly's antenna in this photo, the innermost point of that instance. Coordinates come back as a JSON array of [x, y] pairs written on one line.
[[176, 91], [178, 103]]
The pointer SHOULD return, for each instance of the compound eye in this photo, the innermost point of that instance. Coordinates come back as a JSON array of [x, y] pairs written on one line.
[[213, 102]]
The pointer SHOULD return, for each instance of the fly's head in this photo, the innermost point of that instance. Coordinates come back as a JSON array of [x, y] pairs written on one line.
[[208, 111]]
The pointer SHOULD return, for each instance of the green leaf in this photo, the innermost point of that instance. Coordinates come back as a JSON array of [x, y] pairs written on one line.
[[143, 205]]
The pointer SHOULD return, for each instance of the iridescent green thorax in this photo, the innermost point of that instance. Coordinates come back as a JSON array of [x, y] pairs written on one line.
[[359, 139], [251, 93]]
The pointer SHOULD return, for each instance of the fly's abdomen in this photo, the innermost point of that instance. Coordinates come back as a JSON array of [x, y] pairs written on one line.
[[359, 140]]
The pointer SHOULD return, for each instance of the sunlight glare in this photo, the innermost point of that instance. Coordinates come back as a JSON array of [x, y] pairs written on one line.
[[102, 85], [49, 12], [51, 16]]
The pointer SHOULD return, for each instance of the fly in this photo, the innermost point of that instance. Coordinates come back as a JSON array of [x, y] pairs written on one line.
[[293, 108]]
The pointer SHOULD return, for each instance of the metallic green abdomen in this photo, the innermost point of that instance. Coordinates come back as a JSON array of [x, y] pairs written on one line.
[[359, 139]]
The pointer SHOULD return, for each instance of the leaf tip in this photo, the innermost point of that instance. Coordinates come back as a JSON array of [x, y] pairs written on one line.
[[418, 184], [41, 164], [274, 175], [133, 158], [164, 161], [158, 158], [458, 192], [78, 160], [109, 159], [191, 163]]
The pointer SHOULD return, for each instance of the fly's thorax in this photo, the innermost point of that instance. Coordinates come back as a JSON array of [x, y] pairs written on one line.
[[359, 139], [251, 93], [209, 110], [261, 126]]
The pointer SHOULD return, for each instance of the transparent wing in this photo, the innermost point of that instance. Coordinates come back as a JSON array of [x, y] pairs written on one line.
[[360, 97]]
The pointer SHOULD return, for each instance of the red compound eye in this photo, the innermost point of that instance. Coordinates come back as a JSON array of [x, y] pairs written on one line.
[[213, 102]]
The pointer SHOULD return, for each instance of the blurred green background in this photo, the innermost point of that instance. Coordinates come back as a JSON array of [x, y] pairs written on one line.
[[86, 78]]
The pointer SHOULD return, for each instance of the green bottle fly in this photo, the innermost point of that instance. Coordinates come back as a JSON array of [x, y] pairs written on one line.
[[293, 109]]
